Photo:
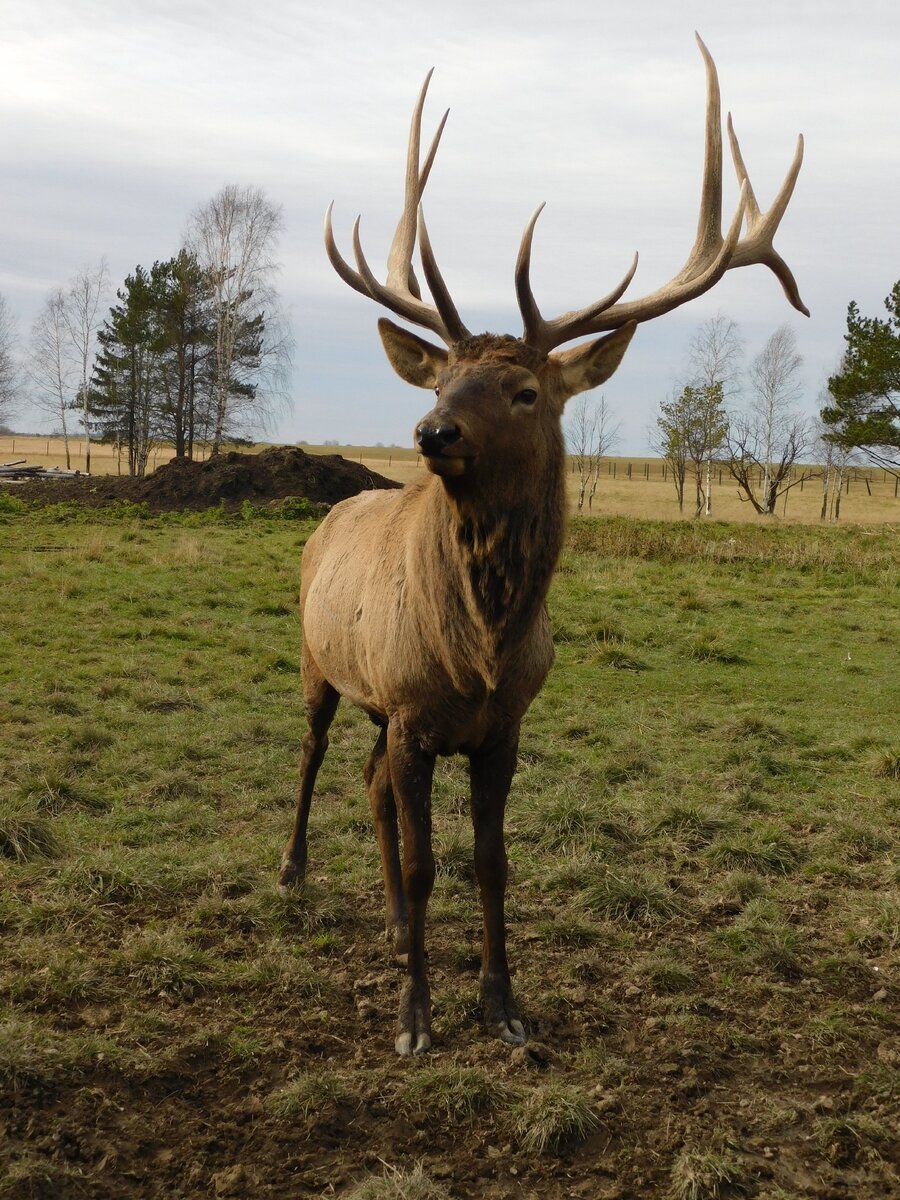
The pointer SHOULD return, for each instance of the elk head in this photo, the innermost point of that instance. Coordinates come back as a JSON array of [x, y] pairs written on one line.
[[506, 394]]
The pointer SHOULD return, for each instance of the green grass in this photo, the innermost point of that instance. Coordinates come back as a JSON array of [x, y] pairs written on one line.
[[703, 838]]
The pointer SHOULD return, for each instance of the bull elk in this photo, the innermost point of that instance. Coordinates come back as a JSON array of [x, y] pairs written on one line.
[[426, 607]]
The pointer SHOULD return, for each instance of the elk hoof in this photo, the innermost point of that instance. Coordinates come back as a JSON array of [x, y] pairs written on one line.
[[501, 1016], [290, 877], [403, 1044], [512, 1033], [414, 1019]]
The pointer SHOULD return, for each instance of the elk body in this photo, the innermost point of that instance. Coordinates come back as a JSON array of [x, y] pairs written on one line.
[[426, 607]]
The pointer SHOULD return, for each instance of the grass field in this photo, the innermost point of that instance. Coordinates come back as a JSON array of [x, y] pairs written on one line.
[[633, 487], [704, 906]]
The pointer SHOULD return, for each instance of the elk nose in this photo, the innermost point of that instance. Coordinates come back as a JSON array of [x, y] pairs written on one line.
[[433, 439]]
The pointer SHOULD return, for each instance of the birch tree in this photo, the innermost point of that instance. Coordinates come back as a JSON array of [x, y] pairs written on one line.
[[715, 356], [233, 237], [836, 456], [591, 435], [81, 313], [9, 374], [766, 442], [50, 366]]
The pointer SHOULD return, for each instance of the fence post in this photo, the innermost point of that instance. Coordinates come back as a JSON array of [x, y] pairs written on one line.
[[629, 470]]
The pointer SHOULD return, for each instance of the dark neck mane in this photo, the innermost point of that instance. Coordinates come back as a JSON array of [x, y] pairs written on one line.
[[507, 552]]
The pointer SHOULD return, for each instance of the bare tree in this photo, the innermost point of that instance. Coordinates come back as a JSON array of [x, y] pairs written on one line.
[[9, 372], [765, 443], [591, 435], [233, 237], [81, 312], [836, 457], [49, 366], [715, 356]]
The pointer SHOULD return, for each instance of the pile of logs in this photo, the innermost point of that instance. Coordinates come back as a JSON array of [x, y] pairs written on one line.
[[20, 470]]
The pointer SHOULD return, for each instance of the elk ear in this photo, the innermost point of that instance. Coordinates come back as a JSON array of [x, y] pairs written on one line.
[[586, 367], [414, 359]]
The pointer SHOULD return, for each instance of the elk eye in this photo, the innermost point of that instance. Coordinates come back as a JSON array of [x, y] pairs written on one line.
[[526, 396]]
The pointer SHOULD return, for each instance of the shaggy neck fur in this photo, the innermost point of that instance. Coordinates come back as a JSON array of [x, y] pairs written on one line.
[[505, 545]]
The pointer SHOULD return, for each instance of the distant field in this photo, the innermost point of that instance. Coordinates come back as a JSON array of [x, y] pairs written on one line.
[[633, 487]]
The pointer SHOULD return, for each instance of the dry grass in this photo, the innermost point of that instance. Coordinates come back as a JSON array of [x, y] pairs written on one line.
[[624, 489]]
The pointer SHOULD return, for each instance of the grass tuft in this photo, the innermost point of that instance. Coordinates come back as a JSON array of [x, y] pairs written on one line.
[[763, 849], [887, 764], [708, 1175], [310, 1095], [162, 962], [691, 824], [451, 1093], [630, 895], [398, 1184], [554, 1117], [27, 838]]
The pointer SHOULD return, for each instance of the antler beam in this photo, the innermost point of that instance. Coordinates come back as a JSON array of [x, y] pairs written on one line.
[[711, 256], [401, 293]]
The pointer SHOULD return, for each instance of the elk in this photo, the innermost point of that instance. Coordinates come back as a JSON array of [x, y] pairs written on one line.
[[426, 607]]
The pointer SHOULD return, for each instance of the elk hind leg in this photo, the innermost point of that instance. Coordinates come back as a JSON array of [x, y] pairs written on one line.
[[411, 770], [377, 775], [321, 701], [491, 773]]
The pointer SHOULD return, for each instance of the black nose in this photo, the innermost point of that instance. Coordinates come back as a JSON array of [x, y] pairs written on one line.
[[433, 439]]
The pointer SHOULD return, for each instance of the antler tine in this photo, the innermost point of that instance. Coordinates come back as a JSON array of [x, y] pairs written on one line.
[[710, 257], [757, 246], [401, 293], [399, 263], [541, 334], [437, 287], [709, 223]]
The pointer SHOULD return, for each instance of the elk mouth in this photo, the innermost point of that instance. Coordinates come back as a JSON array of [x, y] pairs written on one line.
[[451, 462], [443, 445], [449, 466]]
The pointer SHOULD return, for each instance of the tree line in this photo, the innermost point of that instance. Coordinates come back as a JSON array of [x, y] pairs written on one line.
[[193, 352], [749, 423]]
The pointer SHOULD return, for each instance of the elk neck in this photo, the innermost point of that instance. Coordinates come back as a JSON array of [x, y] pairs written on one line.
[[500, 537]]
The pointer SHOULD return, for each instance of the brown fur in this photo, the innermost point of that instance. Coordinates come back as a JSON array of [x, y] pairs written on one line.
[[426, 608]]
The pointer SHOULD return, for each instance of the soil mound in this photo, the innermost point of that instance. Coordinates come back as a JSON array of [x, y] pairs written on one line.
[[227, 479]]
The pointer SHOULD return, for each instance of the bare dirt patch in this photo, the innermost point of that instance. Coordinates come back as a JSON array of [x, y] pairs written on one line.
[[227, 479]]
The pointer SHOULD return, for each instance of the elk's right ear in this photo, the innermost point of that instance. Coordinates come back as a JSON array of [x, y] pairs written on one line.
[[414, 359]]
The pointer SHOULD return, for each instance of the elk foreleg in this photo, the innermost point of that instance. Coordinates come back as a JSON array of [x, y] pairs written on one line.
[[411, 771], [321, 705], [384, 813], [491, 772]]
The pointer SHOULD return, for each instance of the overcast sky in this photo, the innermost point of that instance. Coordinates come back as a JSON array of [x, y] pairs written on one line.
[[119, 118]]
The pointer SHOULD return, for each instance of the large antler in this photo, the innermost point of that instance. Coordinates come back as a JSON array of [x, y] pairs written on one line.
[[712, 254], [401, 293]]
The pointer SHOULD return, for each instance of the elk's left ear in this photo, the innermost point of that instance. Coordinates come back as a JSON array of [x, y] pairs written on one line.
[[414, 359], [585, 367]]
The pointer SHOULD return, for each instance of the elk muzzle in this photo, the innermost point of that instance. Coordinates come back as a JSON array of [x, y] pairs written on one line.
[[434, 437], [442, 444]]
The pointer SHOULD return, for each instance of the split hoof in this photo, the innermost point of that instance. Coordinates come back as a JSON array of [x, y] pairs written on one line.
[[512, 1032], [290, 879], [403, 1044]]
